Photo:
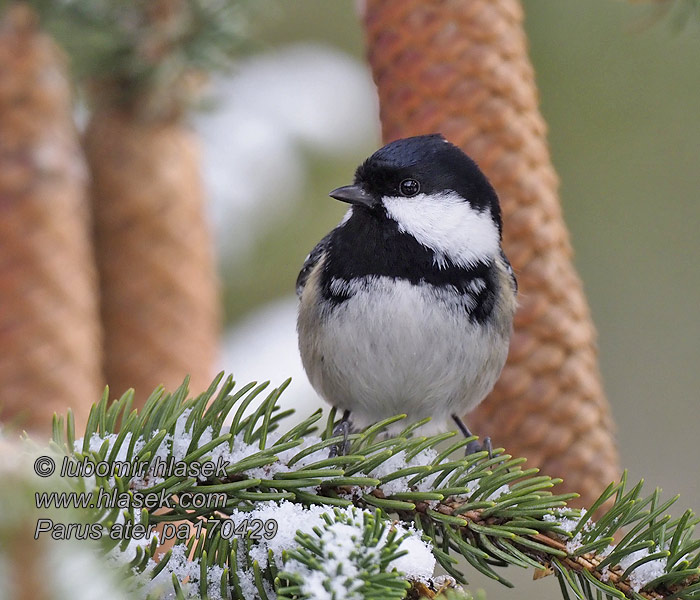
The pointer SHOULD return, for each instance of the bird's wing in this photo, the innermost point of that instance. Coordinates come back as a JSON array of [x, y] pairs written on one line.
[[310, 262]]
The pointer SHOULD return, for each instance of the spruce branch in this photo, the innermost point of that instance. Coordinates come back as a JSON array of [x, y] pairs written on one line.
[[368, 549], [150, 56], [488, 510]]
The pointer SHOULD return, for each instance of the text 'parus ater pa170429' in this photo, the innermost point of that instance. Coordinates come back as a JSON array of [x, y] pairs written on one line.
[[407, 305]]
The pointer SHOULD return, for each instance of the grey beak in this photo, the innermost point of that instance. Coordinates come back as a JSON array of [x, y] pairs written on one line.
[[352, 194]]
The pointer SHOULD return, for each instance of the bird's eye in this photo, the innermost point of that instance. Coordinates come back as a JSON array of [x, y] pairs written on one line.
[[409, 187]]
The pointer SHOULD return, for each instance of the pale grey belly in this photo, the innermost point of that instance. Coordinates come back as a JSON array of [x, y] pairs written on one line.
[[403, 352]]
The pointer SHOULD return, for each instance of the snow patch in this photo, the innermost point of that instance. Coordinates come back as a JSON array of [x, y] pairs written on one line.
[[646, 572]]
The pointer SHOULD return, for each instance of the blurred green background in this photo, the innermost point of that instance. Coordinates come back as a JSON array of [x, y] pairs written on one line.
[[620, 90]]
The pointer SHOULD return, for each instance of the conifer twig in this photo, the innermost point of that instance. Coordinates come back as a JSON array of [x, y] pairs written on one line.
[[487, 510]]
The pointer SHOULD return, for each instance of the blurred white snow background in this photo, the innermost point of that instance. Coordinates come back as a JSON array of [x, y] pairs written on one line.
[[278, 111], [303, 97], [264, 347]]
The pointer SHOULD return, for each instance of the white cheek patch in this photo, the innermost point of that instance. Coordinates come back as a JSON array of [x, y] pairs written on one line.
[[448, 225]]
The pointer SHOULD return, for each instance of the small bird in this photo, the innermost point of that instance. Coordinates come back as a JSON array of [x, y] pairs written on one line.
[[407, 305]]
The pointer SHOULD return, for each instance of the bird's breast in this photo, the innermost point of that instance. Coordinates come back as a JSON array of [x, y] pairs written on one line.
[[393, 344]]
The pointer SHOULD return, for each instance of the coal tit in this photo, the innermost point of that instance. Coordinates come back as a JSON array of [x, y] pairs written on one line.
[[407, 305]]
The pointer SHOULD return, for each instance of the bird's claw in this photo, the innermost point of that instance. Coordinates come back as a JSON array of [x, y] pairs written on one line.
[[476, 446], [342, 428]]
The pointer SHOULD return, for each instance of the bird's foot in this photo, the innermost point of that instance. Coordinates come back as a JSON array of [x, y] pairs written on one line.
[[475, 445], [342, 428], [478, 446]]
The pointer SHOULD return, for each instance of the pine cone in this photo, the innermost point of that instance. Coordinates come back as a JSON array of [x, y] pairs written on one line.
[[160, 305], [49, 326]]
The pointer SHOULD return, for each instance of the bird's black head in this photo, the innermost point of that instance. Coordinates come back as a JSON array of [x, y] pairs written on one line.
[[425, 164]]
